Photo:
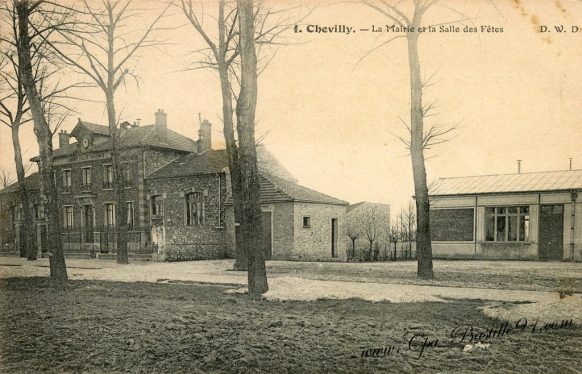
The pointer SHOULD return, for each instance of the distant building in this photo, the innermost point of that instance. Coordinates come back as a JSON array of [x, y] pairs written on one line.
[[176, 199], [529, 216]]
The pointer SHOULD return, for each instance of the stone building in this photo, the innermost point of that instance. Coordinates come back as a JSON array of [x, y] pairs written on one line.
[[530, 216], [176, 198], [298, 223]]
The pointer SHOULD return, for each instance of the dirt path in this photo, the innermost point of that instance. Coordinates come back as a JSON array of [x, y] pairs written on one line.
[[546, 305]]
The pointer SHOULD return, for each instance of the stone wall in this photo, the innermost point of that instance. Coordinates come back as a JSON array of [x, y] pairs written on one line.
[[184, 242], [314, 242]]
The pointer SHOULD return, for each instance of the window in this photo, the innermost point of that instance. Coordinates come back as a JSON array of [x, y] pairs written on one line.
[[107, 176], [452, 225], [110, 214], [130, 214], [507, 224], [195, 209], [306, 222], [66, 179], [86, 174], [128, 175], [157, 205], [39, 212], [68, 216], [18, 212]]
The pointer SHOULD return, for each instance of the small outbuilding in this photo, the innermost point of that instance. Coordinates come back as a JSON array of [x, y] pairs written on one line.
[[525, 216]]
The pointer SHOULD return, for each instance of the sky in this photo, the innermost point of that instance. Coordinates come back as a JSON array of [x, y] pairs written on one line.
[[334, 118]]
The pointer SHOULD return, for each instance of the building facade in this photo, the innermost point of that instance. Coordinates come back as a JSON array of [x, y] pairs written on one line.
[[176, 191], [527, 216]]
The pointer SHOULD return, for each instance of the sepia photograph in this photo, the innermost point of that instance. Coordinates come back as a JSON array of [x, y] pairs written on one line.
[[290, 186]]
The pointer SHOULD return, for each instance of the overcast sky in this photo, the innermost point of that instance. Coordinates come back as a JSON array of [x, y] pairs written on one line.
[[516, 94]]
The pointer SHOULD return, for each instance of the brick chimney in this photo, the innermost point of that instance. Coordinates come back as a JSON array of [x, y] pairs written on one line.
[[162, 125], [205, 137], [63, 138]]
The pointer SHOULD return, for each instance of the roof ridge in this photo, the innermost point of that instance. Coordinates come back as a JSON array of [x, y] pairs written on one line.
[[501, 174], [301, 186]]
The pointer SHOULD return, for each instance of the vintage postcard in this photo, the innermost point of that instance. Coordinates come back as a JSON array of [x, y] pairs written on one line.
[[287, 186]]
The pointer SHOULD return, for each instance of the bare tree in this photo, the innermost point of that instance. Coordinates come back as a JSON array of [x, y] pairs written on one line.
[[29, 42], [409, 225], [420, 137], [5, 178], [99, 47], [222, 54], [394, 236], [353, 230], [245, 113]]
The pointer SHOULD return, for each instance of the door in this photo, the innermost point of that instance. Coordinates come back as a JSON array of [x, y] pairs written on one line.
[[334, 237], [158, 240], [551, 232], [43, 239], [267, 235], [88, 219]]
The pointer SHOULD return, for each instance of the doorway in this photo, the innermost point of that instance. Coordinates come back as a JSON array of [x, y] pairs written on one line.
[[267, 218], [89, 223], [334, 237], [551, 232]]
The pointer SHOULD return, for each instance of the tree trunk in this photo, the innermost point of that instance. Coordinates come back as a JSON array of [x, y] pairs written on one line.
[[353, 247], [118, 177], [370, 249], [26, 249], [119, 183], [423, 243], [252, 221], [231, 147], [58, 269]]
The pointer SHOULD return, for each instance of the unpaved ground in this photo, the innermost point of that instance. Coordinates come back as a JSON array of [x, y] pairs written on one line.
[[373, 282], [97, 326]]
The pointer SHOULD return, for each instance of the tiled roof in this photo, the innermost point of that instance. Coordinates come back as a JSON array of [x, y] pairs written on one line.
[[193, 164], [523, 182], [145, 136], [32, 183], [93, 127], [278, 190]]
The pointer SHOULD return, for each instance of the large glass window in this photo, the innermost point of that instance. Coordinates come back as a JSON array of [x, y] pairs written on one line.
[[507, 224], [195, 209]]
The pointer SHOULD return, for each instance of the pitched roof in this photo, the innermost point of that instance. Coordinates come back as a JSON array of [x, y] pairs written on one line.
[[524, 182], [278, 190], [210, 162], [92, 127], [145, 136], [32, 182]]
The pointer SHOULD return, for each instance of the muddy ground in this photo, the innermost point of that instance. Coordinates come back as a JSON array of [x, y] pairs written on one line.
[[98, 326]]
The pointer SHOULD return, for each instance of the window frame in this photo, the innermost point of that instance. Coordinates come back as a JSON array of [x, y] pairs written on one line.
[[196, 216], [86, 177], [130, 219], [66, 216], [157, 206], [109, 221], [507, 216], [108, 176], [67, 178], [306, 223]]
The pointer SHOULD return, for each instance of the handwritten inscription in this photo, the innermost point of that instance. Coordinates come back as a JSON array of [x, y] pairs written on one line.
[[419, 342]]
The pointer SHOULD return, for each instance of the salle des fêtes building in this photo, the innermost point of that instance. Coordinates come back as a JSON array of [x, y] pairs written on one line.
[[526, 216], [177, 199]]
